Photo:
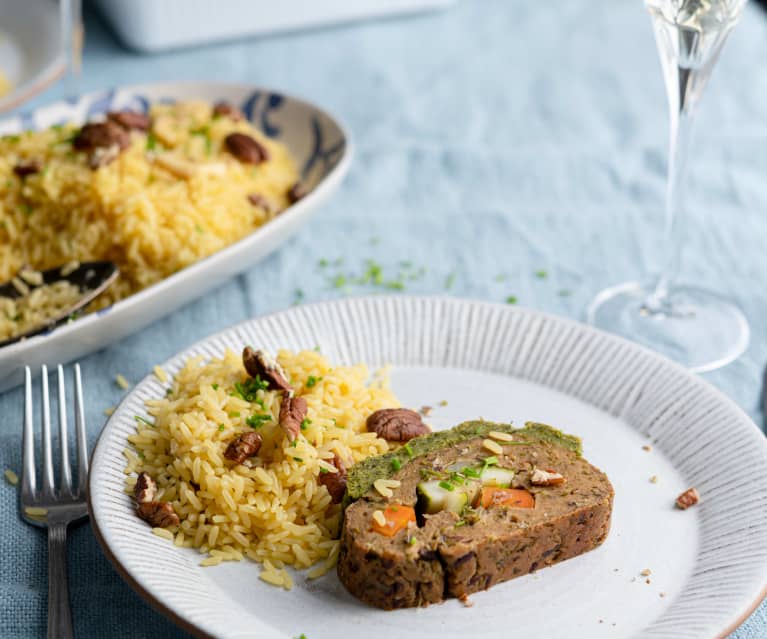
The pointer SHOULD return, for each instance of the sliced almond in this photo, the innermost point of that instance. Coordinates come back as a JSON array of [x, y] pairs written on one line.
[[501, 437], [493, 447]]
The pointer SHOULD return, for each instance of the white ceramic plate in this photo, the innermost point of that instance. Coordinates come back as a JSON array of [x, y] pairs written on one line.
[[31, 54], [709, 563], [319, 144]]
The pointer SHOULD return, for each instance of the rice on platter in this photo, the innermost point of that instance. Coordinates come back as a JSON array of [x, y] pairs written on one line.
[[210, 491], [153, 193]]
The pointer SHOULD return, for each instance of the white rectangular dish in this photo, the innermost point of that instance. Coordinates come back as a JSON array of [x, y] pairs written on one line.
[[318, 143], [155, 25]]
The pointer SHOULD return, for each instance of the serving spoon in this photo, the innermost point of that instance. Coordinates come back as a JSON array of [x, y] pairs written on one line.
[[92, 278]]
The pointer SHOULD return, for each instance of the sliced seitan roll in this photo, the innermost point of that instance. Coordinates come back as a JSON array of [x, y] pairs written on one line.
[[458, 511]]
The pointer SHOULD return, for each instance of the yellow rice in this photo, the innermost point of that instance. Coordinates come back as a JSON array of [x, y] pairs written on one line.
[[173, 197], [273, 511]]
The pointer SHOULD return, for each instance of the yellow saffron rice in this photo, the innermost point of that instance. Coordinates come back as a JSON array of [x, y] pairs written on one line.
[[271, 509]]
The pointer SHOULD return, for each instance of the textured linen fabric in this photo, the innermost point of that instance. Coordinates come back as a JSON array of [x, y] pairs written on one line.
[[494, 140]]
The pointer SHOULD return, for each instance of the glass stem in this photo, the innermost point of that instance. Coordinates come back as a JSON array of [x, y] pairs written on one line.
[[681, 116]]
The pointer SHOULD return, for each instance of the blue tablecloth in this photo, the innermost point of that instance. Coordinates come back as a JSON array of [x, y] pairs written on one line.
[[494, 140]]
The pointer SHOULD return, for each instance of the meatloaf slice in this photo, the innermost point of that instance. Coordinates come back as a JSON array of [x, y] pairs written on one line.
[[453, 554]]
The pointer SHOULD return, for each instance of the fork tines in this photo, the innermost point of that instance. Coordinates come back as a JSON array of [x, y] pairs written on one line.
[[48, 489]]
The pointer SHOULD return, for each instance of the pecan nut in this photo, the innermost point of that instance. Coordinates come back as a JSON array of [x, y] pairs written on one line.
[[688, 498], [226, 110], [242, 447], [246, 149], [145, 489], [28, 167], [103, 141], [259, 364], [546, 478], [130, 120], [158, 514], [335, 483], [297, 192], [101, 135], [292, 413], [397, 424]]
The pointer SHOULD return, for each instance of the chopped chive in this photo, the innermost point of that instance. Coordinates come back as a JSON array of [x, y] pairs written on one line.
[[305, 423], [541, 274], [323, 263], [412, 541], [311, 381], [491, 461], [214, 386], [470, 472], [511, 299], [408, 450], [139, 418], [460, 523], [256, 421], [446, 485], [339, 281], [247, 390], [323, 471], [449, 281], [221, 428], [395, 285], [298, 459], [396, 464], [234, 414]]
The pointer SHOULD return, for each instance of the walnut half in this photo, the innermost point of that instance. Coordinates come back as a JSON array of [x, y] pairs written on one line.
[[292, 413], [335, 482], [397, 424], [158, 514], [259, 364], [242, 447], [688, 498], [145, 489]]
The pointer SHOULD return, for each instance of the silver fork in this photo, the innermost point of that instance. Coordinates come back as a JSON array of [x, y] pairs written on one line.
[[51, 506]]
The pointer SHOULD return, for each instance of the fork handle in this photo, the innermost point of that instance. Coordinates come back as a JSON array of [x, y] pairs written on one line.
[[59, 614]]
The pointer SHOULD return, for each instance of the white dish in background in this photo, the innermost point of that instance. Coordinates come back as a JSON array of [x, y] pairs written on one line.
[[319, 144], [501, 363], [31, 52], [155, 25]]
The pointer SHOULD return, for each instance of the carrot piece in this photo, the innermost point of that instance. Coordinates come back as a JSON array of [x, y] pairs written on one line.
[[512, 497], [397, 517]]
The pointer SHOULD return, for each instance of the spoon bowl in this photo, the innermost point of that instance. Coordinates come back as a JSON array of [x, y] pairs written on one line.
[[91, 278]]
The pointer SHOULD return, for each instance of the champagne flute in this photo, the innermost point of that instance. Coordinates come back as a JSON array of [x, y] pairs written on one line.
[[694, 326]]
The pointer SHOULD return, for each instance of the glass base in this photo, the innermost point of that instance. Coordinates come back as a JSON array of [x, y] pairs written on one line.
[[693, 326]]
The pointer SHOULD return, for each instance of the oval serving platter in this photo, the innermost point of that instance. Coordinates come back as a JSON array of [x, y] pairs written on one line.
[[639, 416], [319, 143]]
